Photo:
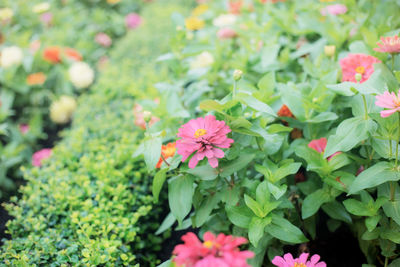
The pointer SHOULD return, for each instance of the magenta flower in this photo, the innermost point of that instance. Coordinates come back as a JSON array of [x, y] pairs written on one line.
[[319, 145], [288, 261], [389, 45], [357, 64], [390, 101], [46, 18], [222, 251], [103, 39], [337, 9], [40, 155], [204, 137], [23, 128], [226, 33], [133, 20]]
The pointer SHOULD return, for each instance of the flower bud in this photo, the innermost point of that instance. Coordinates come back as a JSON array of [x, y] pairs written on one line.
[[237, 75], [358, 77], [147, 116], [330, 50]]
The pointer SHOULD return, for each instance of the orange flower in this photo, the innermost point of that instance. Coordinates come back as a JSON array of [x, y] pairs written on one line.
[[72, 54], [36, 78], [235, 7], [285, 112], [166, 152], [52, 54]]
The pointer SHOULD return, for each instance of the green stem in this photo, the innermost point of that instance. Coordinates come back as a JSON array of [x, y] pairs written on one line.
[[234, 88], [397, 142], [386, 261], [365, 107], [390, 149], [392, 191], [392, 62]]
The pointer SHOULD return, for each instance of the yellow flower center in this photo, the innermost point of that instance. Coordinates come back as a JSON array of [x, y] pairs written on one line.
[[200, 132], [208, 244], [360, 69], [296, 264]]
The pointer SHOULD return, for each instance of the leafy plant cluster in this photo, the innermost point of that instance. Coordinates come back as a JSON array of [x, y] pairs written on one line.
[[34, 27], [90, 204], [271, 186]]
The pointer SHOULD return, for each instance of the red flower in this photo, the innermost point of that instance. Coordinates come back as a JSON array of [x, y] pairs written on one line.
[[167, 151], [52, 54], [215, 251], [284, 111], [357, 64], [389, 45], [71, 53], [319, 145]]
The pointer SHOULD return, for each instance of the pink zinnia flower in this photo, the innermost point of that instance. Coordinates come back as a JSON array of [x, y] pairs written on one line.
[[46, 18], [40, 155], [335, 10], [357, 64], [389, 45], [288, 261], [222, 251], [103, 39], [204, 137], [133, 20], [319, 145], [226, 33], [23, 128], [390, 101]]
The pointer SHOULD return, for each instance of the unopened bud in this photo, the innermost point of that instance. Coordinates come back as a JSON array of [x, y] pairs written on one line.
[[147, 116], [330, 50], [237, 75], [358, 77]]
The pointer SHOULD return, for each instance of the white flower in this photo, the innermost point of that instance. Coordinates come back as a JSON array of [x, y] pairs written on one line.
[[203, 60], [61, 110], [6, 13], [224, 20], [42, 7], [81, 75], [10, 56]]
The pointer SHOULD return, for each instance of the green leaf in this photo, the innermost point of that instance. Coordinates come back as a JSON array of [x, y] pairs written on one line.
[[205, 172], [256, 229], [167, 263], [205, 209], [277, 191], [158, 182], [336, 211], [180, 195], [152, 152], [349, 133], [358, 208], [391, 208], [254, 206], [372, 222], [256, 104], [313, 202], [166, 224], [239, 216], [267, 82], [285, 170], [236, 165], [322, 117], [377, 174], [284, 230], [211, 105]]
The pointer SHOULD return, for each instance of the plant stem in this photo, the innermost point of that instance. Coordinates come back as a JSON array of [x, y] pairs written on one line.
[[390, 149], [234, 88], [386, 261], [392, 191], [392, 62], [397, 141], [165, 160], [365, 107]]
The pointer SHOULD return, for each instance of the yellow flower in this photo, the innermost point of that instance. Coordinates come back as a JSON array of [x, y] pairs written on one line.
[[42, 7], [6, 13], [61, 111], [194, 23], [112, 2], [199, 10]]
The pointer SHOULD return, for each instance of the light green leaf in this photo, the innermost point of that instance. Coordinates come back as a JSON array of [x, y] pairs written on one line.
[[284, 230], [205, 172], [152, 152], [313, 202], [239, 216], [158, 182], [180, 195]]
